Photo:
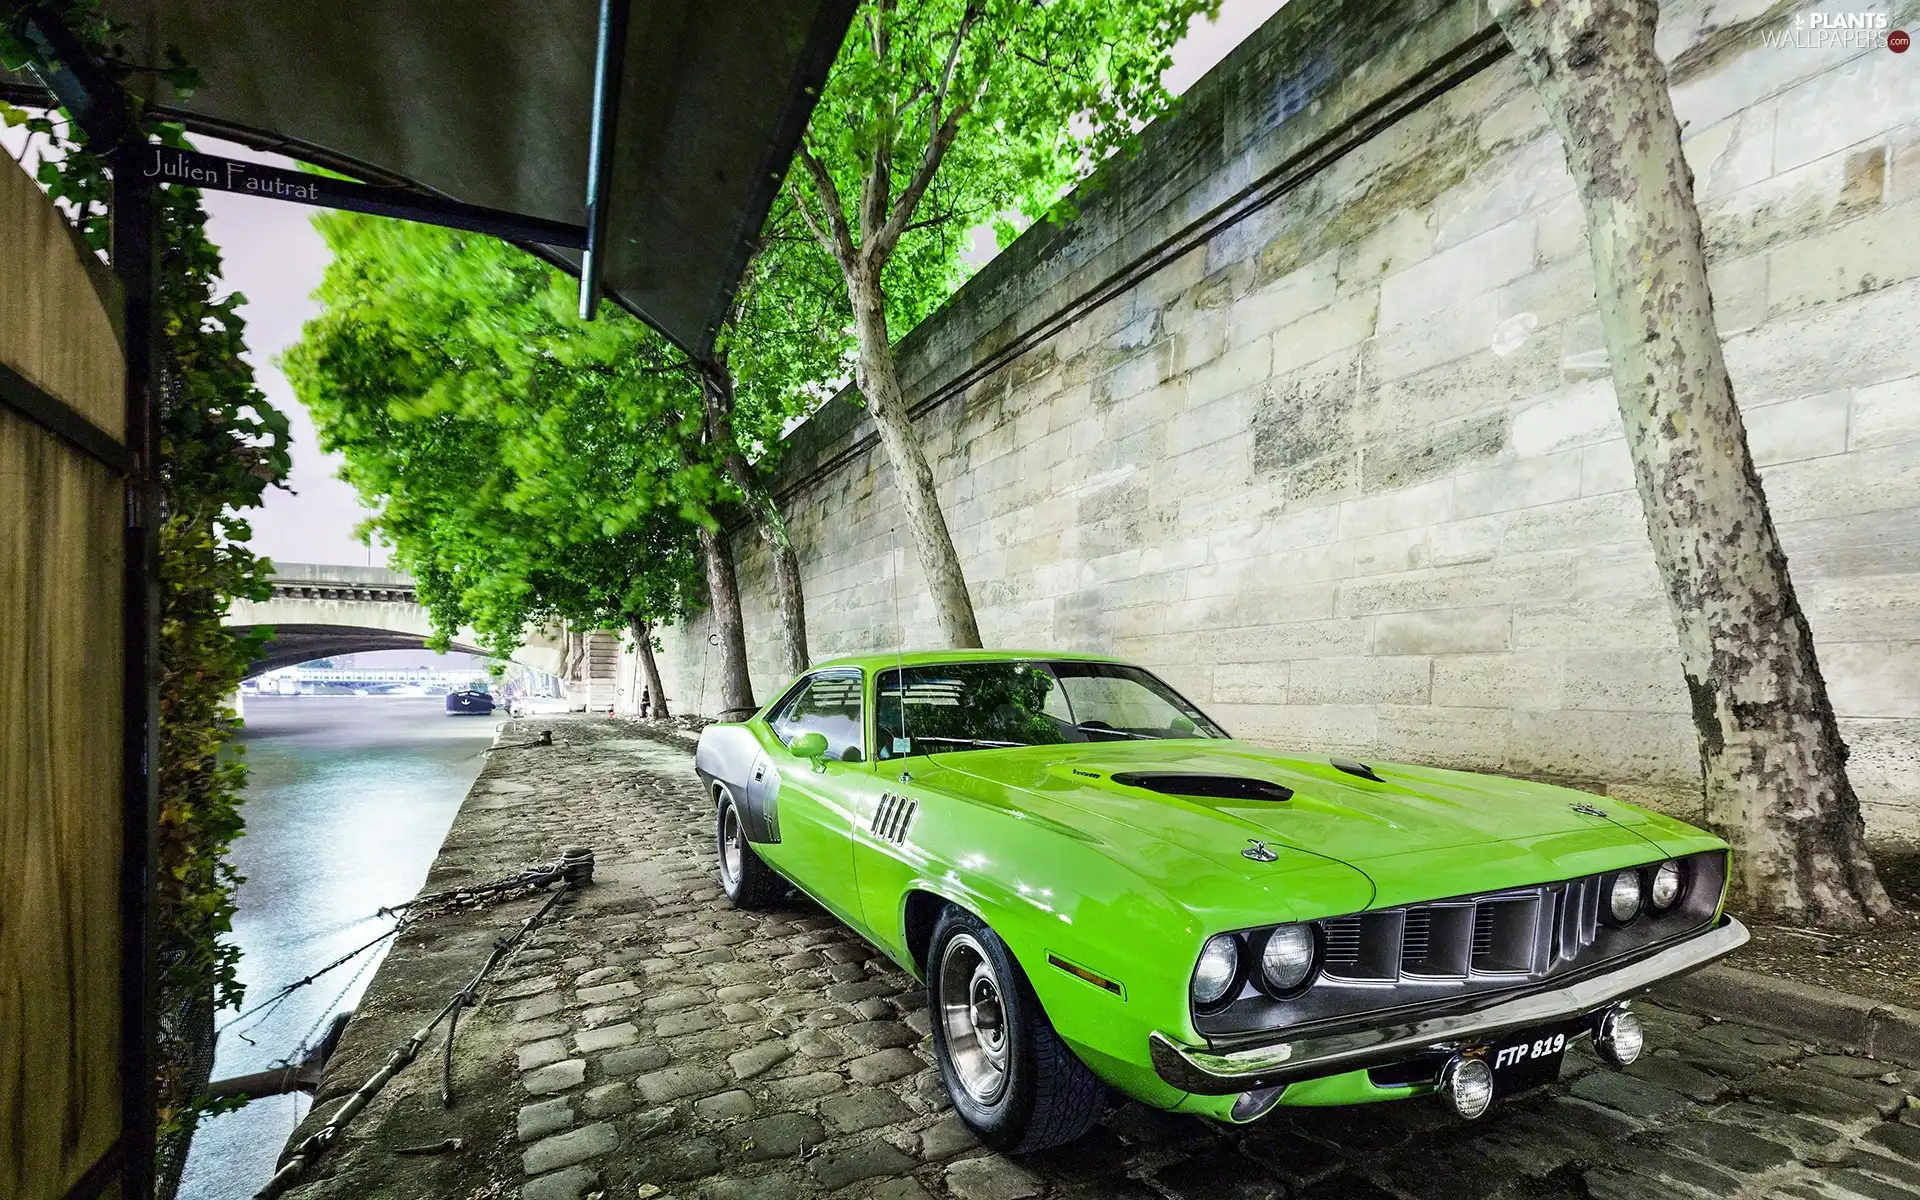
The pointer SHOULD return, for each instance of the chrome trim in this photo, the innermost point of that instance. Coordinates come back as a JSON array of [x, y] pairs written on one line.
[[1209, 1074]]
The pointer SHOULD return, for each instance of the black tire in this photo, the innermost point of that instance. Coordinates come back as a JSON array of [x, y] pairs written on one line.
[[751, 883], [1046, 1096]]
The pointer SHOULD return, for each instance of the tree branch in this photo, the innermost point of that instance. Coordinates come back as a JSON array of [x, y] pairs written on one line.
[[942, 128], [834, 234]]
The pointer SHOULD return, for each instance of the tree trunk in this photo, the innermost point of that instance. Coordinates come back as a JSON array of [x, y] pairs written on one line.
[[643, 644], [717, 388], [879, 380], [736, 687], [1771, 757]]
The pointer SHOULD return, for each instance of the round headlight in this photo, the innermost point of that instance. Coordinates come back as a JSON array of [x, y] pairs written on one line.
[[1665, 888], [1623, 897], [1219, 966], [1286, 960]]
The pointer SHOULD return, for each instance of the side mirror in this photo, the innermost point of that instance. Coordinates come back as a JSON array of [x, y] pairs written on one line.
[[809, 745]]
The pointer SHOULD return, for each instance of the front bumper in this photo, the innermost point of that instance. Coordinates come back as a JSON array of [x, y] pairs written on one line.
[[1313, 1055]]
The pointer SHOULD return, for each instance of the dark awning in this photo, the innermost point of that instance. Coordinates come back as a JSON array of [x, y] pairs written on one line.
[[490, 102]]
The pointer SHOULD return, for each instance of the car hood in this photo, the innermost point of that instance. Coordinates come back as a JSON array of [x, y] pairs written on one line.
[[1420, 833]]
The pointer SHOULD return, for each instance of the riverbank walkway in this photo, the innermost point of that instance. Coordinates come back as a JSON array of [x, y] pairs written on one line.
[[656, 1043]]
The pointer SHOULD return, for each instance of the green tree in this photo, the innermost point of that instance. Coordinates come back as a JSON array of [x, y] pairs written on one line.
[[525, 465], [940, 114]]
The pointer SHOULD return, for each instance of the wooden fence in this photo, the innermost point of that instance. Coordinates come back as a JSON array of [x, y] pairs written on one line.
[[62, 521]]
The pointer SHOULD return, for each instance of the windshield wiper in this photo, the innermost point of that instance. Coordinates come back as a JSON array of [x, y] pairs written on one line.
[[1099, 727], [954, 741]]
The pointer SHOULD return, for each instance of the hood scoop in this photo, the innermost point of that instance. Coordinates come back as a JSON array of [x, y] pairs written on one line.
[[1354, 768], [1220, 787]]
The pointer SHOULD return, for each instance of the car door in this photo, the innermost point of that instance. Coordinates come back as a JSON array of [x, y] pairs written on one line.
[[817, 801]]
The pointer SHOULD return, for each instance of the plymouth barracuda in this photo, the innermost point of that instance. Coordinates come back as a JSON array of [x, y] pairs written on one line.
[[1100, 887]]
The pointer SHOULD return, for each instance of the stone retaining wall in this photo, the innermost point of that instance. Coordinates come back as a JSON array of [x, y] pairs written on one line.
[[1310, 409]]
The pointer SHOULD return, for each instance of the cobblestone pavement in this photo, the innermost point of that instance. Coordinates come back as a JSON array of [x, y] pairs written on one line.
[[658, 1043]]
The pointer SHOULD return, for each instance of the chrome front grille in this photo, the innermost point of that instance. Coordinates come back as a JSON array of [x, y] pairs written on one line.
[[1520, 933]]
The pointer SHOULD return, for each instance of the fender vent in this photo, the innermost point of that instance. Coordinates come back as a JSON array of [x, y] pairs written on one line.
[[894, 818], [1222, 787]]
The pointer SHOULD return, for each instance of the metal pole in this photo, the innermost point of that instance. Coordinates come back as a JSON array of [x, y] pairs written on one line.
[[609, 72], [136, 259]]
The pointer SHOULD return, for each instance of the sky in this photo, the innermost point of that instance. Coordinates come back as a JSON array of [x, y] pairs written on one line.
[[275, 259]]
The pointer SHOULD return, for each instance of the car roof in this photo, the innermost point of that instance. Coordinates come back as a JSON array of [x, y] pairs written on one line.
[[916, 658]]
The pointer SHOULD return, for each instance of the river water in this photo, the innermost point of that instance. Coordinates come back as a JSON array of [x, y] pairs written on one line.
[[348, 799]]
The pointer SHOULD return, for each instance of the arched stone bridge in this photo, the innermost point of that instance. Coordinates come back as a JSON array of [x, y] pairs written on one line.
[[320, 610]]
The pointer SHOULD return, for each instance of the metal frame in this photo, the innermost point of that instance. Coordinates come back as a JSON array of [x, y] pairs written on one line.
[[609, 72]]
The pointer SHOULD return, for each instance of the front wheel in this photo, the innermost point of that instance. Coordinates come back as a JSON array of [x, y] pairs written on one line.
[[747, 881], [1013, 1081]]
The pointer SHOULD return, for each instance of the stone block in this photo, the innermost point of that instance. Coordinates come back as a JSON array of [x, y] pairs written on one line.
[[539, 1054], [545, 1117], [1466, 739], [1607, 467], [1443, 631], [780, 1136], [1538, 577], [567, 1149], [1324, 332], [607, 1100], [634, 1060], [991, 1177], [539, 1006], [1421, 455], [1868, 679], [1247, 683], [1520, 681], [1584, 414], [602, 993], [1235, 371], [1592, 624], [1805, 427], [1520, 484], [1604, 745], [1861, 255], [557, 1077], [1406, 508], [1626, 680], [884, 1066], [673, 1083], [838, 1168], [1578, 524], [570, 1184], [735, 1105], [1886, 414], [1472, 267], [1370, 680], [608, 1037]]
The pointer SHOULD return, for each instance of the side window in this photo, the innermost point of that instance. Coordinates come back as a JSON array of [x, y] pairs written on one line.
[[828, 704]]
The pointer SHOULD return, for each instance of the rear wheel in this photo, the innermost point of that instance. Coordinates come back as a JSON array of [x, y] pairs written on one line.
[[748, 882], [1013, 1081]]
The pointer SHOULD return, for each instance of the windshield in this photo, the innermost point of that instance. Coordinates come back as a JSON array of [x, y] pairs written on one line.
[[993, 705]]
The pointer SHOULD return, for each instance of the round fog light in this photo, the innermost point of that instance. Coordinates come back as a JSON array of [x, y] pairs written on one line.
[[1619, 1037], [1467, 1083]]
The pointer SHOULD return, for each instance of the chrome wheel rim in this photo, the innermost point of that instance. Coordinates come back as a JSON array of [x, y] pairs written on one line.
[[730, 843], [974, 1018]]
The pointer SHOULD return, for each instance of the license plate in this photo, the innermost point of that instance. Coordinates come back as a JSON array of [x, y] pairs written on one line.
[[1527, 1059]]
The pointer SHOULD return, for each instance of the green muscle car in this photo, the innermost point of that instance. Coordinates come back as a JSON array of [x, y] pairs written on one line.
[[1100, 886]]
